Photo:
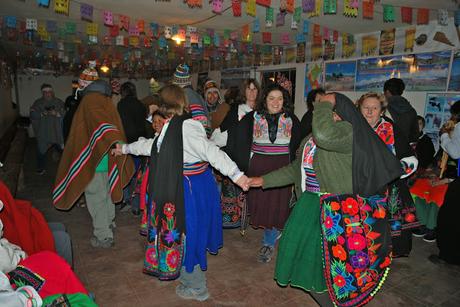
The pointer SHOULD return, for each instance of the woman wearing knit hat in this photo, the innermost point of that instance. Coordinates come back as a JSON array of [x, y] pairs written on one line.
[[196, 104]]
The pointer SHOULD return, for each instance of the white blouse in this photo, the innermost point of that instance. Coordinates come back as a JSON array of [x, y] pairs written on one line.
[[197, 148]]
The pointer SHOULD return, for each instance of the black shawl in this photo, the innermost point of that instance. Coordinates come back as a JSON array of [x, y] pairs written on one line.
[[231, 119], [166, 169], [239, 143], [373, 165]]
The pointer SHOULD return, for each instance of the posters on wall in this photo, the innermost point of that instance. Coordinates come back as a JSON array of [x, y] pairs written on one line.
[[387, 42], [313, 76], [420, 72], [340, 76], [437, 112]]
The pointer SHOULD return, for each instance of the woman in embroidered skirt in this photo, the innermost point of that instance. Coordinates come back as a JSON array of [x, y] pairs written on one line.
[[266, 139], [400, 203], [233, 200], [340, 215], [185, 219]]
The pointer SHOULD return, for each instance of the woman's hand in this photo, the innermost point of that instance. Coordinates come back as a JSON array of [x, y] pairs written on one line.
[[243, 182], [117, 150], [256, 182]]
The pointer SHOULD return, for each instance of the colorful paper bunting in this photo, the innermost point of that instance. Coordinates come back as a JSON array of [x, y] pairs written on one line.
[[51, 26], [256, 26], [300, 38], [108, 18], [70, 27], [423, 16], [114, 31], [368, 9], [297, 14], [306, 26], [134, 41], [120, 40], [86, 12], [267, 37], [280, 19], [317, 9], [269, 17], [330, 6], [10, 21], [290, 6], [236, 8], [217, 6], [265, 3], [206, 40], [285, 39], [388, 13], [194, 3], [92, 28], [167, 32], [124, 22], [308, 6], [350, 8], [154, 27], [133, 31], [251, 8], [335, 36], [406, 14], [61, 6], [43, 3], [140, 26], [31, 24], [216, 40], [294, 23], [194, 38]]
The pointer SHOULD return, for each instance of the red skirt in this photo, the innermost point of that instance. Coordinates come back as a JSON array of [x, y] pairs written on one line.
[[270, 207]]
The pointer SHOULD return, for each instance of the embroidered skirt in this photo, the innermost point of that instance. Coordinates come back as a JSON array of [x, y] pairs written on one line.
[[268, 208], [203, 224], [232, 202]]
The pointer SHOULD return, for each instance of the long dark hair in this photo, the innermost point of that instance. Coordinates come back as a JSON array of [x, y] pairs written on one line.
[[288, 106], [247, 83], [128, 89], [455, 111]]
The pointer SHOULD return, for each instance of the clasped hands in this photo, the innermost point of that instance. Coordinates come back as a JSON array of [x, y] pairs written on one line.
[[249, 182]]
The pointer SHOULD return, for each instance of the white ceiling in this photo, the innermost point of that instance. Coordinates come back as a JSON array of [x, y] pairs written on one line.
[[178, 12]]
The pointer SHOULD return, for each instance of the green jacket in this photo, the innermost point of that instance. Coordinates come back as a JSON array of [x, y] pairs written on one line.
[[332, 162]]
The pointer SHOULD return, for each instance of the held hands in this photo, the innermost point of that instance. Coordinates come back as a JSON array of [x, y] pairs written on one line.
[[253, 182], [243, 182], [117, 150]]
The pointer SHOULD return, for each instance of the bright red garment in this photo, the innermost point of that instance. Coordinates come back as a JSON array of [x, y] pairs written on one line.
[[24, 225], [423, 189], [48, 273]]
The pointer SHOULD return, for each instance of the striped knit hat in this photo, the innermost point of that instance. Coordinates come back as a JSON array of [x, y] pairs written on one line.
[[182, 76], [88, 75]]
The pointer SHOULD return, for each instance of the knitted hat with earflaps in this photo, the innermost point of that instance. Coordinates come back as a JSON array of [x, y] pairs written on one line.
[[88, 75], [181, 76]]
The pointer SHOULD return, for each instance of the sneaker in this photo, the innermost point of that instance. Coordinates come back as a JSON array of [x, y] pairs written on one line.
[[192, 294], [104, 243], [419, 232], [40, 172], [266, 254], [430, 237]]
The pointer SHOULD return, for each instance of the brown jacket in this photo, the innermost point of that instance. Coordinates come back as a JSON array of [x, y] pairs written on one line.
[[218, 116]]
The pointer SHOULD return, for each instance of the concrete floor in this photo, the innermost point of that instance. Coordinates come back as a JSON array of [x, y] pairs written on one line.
[[235, 278]]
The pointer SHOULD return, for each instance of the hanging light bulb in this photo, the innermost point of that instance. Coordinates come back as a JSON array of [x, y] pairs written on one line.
[[105, 69]]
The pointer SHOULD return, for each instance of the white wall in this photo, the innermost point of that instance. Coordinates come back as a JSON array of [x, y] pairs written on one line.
[[7, 114], [29, 89]]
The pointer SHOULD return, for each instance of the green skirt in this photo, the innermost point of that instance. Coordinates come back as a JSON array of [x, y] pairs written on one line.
[[299, 261]]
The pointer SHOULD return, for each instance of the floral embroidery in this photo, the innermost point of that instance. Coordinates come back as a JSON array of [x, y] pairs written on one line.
[[165, 245], [355, 247]]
